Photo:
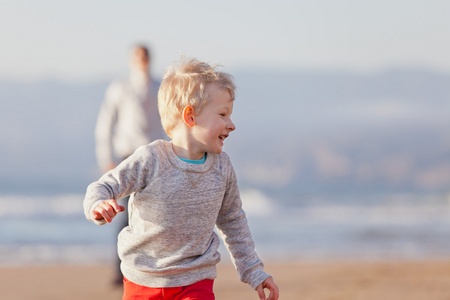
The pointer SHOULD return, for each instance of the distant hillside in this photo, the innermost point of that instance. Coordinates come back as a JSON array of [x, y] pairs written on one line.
[[46, 135], [320, 132], [296, 131]]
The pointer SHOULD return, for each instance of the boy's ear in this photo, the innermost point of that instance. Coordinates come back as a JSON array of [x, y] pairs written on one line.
[[188, 116]]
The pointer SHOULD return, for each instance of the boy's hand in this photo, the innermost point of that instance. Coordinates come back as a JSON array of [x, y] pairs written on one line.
[[107, 210], [271, 286]]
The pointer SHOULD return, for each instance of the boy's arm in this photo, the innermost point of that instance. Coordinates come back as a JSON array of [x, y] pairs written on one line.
[[125, 179], [233, 227]]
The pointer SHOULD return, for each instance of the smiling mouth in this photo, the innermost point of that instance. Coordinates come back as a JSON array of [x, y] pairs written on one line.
[[222, 137]]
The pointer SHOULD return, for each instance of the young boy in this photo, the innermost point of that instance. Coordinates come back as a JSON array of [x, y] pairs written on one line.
[[180, 190]]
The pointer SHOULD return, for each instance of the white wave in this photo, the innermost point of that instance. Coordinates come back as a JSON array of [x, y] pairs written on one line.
[[52, 254], [255, 202], [19, 205], [398, 212]]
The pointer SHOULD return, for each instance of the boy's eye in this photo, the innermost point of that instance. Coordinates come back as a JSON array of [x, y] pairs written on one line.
[[223, 115]]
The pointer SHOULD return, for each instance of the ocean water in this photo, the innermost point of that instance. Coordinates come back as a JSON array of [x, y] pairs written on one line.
[[52, 229]]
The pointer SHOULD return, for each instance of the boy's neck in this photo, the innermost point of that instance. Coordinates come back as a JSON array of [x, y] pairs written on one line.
[[182, 149]]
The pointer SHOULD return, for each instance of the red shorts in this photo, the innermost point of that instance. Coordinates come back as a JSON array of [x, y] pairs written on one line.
[[202, 290]]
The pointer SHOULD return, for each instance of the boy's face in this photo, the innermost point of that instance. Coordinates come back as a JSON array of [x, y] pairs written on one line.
[[213, 124]]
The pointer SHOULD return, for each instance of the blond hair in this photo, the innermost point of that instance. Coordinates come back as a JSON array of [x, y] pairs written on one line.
[[184, 85]]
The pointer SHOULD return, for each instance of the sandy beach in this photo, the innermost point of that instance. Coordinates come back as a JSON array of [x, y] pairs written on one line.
[[363, 280]]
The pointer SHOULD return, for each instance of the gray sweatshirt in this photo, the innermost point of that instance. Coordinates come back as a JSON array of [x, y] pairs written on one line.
[[173, 210]]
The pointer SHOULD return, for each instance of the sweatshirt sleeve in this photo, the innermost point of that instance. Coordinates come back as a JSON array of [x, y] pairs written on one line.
[[128, 177], [233, 228]]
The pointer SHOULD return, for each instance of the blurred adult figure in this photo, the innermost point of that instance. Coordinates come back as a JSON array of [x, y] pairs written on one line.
[[129, 115], [128, 118]]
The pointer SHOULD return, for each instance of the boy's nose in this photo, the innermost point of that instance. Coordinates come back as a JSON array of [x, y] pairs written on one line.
[[231, 126]]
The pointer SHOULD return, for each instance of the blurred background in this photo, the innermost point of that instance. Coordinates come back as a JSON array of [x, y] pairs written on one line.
[[342, 113]]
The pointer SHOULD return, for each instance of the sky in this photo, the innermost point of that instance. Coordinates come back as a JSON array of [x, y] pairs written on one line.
[[89, 40]]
